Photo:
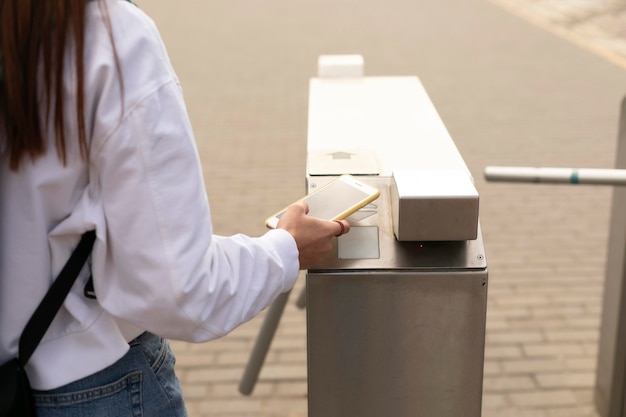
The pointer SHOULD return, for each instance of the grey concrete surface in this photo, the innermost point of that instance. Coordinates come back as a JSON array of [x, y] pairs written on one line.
[[514, 86]]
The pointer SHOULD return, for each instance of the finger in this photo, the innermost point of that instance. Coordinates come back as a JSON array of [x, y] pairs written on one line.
[[344, 227], [300, 206]]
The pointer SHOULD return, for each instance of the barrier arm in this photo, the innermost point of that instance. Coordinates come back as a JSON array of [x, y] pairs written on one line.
[[590, 176]]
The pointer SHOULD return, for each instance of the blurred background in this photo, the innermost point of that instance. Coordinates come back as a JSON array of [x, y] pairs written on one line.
[[517, 82]]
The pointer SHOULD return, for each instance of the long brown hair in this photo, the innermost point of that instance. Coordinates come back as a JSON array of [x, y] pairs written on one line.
[[34, 35]]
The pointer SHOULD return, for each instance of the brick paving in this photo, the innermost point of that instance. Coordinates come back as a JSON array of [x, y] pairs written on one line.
[[597, 25], [510, 92]]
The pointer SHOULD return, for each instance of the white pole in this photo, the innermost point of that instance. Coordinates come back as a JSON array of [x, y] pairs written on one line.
[[556, 175]]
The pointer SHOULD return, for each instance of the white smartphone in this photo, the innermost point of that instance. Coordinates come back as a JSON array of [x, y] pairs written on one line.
[[334, 201]]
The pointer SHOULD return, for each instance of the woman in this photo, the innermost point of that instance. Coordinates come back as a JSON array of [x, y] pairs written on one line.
[[94, 135]]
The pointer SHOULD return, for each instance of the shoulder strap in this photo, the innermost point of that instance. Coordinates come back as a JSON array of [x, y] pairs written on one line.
[[51, 303]]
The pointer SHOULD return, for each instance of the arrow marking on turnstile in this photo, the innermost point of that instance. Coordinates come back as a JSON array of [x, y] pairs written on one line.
[[341, 155]]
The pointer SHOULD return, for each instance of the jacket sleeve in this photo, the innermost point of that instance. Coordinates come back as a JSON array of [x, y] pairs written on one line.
[[158, 265]]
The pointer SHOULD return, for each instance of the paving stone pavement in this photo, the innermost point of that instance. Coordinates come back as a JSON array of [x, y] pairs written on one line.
[[598, 25], [541, 90]]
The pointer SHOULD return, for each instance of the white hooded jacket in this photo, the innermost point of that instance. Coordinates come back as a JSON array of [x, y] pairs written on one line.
[[156, 264]]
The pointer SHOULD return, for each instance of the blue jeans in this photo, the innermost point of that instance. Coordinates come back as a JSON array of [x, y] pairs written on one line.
[[142, 383]]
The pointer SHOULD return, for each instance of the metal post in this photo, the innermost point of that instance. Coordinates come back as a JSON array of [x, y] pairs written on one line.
[[301, 301], [262, 344], [610, 393]]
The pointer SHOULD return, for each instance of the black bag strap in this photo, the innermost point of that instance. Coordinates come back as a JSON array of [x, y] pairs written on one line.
[[53, 300]]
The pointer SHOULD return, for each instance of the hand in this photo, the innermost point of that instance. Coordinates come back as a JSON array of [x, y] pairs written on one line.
[[313, 236]]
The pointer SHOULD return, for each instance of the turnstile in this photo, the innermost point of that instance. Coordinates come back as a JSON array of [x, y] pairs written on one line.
[[396, 328], [396, 312]]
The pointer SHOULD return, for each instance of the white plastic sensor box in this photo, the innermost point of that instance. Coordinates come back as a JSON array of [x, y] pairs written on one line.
[[434, 206], [340, 66]]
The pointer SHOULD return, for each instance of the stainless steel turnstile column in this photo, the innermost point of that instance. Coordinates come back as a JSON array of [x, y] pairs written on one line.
[[394, 328], [610, 394], [398, 335]]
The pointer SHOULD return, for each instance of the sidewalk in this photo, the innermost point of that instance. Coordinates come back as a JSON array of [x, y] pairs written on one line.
[[510, 93], [597, 25]]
